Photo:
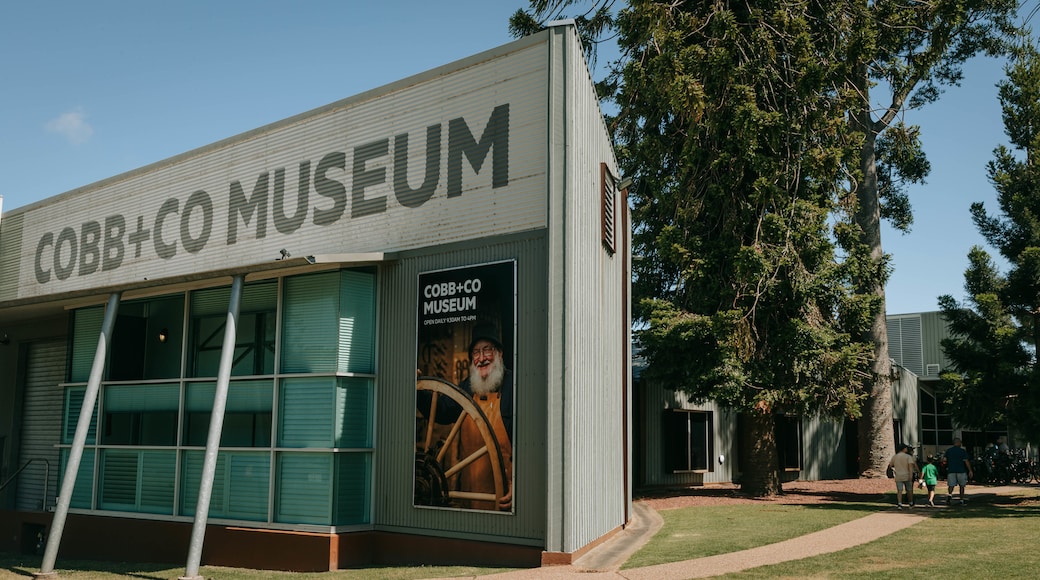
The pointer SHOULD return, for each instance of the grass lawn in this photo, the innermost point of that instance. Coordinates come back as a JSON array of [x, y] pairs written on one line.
[[994, 537], [14, 566], [696, 532]]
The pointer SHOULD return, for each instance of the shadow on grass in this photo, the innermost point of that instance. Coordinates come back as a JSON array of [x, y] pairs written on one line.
[[28, 565], [817, 499], [993, 506], [842, 499], [981, 504]]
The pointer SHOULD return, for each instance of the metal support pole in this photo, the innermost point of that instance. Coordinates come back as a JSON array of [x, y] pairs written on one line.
[[216, 426], [86, 412]]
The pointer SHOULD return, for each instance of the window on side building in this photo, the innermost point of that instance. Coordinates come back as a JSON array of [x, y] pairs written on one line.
[[789, 442], [687, 440]]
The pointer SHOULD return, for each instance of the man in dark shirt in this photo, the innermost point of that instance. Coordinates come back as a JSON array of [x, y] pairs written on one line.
[[958, 468]]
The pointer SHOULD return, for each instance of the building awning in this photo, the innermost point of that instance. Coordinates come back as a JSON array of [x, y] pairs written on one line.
[[53, 304]]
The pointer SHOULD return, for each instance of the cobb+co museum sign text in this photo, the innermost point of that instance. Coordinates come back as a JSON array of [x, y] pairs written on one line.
[[186, 224]]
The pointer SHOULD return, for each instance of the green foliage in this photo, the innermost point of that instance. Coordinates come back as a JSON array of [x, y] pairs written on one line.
[[730, 122], [901, 55], [903, 162], [763, 164], [592, 24], [997, 331]]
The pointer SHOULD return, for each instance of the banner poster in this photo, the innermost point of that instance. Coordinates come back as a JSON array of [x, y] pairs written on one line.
[[464, 391]]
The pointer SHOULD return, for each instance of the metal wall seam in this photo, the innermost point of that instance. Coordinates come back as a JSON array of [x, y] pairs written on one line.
[[556, 514]]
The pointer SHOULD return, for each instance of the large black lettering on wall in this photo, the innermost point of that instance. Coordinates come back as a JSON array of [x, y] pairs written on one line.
[[407, 196], [495, 138], [375, 171]]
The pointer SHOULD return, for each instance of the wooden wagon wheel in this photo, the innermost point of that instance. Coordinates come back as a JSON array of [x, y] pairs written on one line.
[[439, 388]]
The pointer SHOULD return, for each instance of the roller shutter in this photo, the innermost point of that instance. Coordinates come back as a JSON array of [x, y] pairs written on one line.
[[41, 424]]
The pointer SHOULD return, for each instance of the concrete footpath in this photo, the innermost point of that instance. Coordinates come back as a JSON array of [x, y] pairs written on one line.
[[605, 560]]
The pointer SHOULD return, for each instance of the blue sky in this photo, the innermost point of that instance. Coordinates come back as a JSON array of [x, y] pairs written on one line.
[[959, 134], [89, 90]]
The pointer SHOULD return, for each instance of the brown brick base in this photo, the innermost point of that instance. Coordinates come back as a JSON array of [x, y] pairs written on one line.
[[136, 540]]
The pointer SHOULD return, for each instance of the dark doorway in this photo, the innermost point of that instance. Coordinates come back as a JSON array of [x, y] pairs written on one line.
[[852, 448]]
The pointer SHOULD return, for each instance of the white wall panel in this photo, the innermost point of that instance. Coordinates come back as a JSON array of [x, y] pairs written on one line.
[[593, 326], [106, 216]]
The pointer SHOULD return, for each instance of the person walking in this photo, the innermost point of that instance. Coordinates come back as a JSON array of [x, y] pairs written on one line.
[[958, 469], [904, 468], [930, 478]]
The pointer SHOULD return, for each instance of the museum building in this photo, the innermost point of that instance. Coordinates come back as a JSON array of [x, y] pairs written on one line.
[[394, 329]]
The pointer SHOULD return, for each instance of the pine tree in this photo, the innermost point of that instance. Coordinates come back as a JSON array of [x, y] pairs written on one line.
[[996, 378], [704, 90]]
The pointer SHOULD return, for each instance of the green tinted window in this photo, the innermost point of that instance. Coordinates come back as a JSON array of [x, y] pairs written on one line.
[[307, 412], [83, 489], [329, 323], [354, 402], [137, 480], [304, 488], [86, 328], [254, 335], [241, 485], [140, 414], [70, 418], [353, 488], [247, 414]]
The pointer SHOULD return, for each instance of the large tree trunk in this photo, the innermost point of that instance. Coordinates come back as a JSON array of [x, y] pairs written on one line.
[[760, 477], [876, 442], [876, 437]]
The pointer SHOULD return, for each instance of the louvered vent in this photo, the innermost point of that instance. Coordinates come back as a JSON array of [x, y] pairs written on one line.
[[608, 201]]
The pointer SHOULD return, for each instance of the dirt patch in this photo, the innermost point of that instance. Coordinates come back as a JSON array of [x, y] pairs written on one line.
[[794, 492]]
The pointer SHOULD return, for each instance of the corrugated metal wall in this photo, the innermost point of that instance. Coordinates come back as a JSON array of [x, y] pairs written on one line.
[[10, 252], [906, 407], [933, 330], [904, 342], [593, 335], [395, 404], [655, 400], [555, 346], [823, 449], [41, 423], [511, 78], [914, 342], [823, 443]]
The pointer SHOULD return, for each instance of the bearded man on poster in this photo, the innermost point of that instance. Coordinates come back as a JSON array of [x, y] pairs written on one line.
[[490, 384]]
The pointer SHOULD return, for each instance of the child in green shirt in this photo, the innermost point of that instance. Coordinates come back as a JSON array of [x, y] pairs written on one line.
[[930, 477]]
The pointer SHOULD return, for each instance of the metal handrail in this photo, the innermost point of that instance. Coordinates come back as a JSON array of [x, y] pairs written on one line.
[[46, 477]]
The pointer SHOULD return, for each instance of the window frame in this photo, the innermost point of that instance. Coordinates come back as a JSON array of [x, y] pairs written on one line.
[[676, 421], [106, 482], [789, 437]]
